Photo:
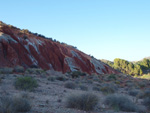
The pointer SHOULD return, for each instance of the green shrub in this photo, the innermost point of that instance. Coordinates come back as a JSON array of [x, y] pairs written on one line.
[[19, 69], [117, 82], [119, 102], [14, 104], [85, 101], [26, 83], [6, 70], [70, 85], [112, 77]]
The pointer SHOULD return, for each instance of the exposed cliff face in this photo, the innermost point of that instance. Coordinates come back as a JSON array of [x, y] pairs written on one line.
[[20, 47]]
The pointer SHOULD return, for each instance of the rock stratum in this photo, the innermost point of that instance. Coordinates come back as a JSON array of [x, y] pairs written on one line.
[[21, 47]]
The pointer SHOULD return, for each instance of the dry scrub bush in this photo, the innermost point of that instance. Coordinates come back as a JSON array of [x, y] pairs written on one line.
[[86, 101], [122, 103], [70, 85], [14, 104]]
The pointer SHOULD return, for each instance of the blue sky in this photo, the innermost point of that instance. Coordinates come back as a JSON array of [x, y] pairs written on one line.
[[106, 29]]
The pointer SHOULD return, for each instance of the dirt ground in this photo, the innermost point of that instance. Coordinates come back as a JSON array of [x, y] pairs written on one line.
[[50, 96]]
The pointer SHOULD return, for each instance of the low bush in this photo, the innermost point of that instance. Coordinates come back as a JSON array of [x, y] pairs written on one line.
[[96, 78], [108, 88], [61, 78], [34, 66], [134, 92], [146, 102], [119, 102], [34, 71], [130, 84], [142, 84], [76, 74], [6, 105], [144, 94], [85, 101], [83, 87], [25, 37], [19, 69], [112, 77], [117, 82], [78, 81], [51, 79], [14, 104], [89, 81], [21, 104], [141, 109], [70, 85], [6, 70], [26, 83], [96, 88], [147, 93]]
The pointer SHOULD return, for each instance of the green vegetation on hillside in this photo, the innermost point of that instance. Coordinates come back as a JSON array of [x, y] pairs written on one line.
[[129, 68], [145, 63], [145, 76]]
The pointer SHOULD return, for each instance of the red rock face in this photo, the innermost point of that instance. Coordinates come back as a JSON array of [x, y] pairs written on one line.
[[18, 47]]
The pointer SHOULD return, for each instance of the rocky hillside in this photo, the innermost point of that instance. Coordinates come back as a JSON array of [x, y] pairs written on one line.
[[22, 47]]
